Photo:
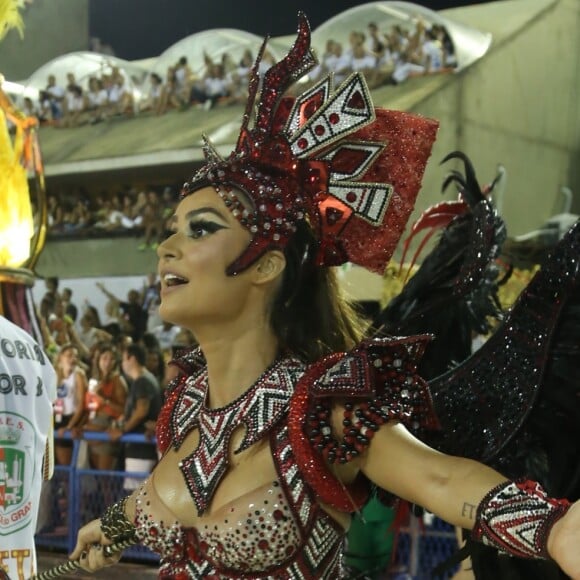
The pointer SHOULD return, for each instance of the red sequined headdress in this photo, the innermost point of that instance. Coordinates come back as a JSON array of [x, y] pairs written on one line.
[[327, 156]]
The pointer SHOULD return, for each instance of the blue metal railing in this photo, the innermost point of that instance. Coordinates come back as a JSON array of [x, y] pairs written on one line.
[[78, 494]]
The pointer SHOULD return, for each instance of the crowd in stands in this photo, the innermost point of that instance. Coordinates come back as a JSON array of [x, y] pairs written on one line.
[[141, 213], [104, 96], [389, 57], [111, 370], [383, 56]]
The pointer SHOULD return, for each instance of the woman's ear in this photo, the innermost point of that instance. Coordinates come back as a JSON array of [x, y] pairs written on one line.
[[269, 267]]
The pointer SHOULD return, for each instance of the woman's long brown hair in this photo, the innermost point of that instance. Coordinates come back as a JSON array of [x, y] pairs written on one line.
[[309, 315]]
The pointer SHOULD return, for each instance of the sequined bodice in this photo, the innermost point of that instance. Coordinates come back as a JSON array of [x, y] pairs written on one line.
[[277, 530], [256, 532]]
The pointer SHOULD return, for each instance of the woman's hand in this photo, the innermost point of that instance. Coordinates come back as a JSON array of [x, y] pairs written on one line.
[[77, 432], [89, 549], [564, 540]]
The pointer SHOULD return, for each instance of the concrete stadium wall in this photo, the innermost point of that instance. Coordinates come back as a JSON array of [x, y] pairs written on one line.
[[51, 28], [518, 106]]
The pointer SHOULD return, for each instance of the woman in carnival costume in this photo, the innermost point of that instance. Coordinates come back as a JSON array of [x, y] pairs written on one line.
[[283, 418]]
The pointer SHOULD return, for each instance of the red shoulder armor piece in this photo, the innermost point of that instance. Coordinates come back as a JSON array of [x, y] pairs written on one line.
[[376, 382]]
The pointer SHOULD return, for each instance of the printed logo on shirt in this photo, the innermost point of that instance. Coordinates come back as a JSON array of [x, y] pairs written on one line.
[[17, 443]]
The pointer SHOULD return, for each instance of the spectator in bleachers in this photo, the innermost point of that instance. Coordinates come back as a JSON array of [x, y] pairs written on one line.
[[449, 56], [154, 358], [153, 222], [212, 87], [51, 284], [58, 324], [107, 404], [376, 43], [336, 61], [168, 93], [54, 213], [363, 61], [109, 216], [132, 310], [74, 107], [29, 108], [152, 101], [120, 100], [432, 52], [89, 333], [44, 108], [411, 59], [97, 100], [70, 308], [151, 300], [56, 95], [237, 78], [183, 79], [132, 210], [143, 405], [69, 408], [169, 203], [166, 334]]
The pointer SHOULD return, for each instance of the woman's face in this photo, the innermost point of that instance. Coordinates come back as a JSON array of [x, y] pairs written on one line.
[[106, 362], [206, 238], [68, 359]]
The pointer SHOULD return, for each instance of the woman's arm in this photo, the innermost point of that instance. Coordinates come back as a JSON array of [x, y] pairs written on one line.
[[106, 292], [83, 349], [117, 402], [80, 395], [517, 519], [114, 526], [451, 487]]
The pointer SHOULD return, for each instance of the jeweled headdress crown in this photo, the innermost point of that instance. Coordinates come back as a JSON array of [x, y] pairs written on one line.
[[327, 156]]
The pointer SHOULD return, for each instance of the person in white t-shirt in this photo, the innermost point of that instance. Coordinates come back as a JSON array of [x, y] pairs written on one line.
[[27, 391], [165, 334], [56, 94], [432, 53]]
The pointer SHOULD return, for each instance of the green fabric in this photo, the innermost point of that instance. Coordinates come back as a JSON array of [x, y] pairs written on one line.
[[370, 539]]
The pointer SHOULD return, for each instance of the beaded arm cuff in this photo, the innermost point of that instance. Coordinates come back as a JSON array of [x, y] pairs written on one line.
[[516, 518], [114, 523]]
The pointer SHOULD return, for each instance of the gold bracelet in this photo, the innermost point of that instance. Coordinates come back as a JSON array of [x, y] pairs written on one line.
[[114, 523]]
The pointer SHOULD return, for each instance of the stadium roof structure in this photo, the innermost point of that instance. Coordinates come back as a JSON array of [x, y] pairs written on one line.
[[470, 43], [83, 65], [214, 43], [146, 141]]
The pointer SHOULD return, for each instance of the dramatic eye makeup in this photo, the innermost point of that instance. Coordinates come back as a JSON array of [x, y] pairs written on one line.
[[199, 223], [200, 227]]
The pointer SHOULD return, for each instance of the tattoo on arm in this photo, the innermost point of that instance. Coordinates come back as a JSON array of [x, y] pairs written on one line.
[[468, 510]]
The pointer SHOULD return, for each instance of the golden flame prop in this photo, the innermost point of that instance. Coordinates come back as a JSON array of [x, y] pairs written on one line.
[[20, 245]]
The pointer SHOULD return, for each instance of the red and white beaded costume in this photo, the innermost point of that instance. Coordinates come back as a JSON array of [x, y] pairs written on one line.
[[279, 530], [353, 172]]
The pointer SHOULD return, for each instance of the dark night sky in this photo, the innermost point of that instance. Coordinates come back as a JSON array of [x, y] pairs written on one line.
[[145, 28]]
